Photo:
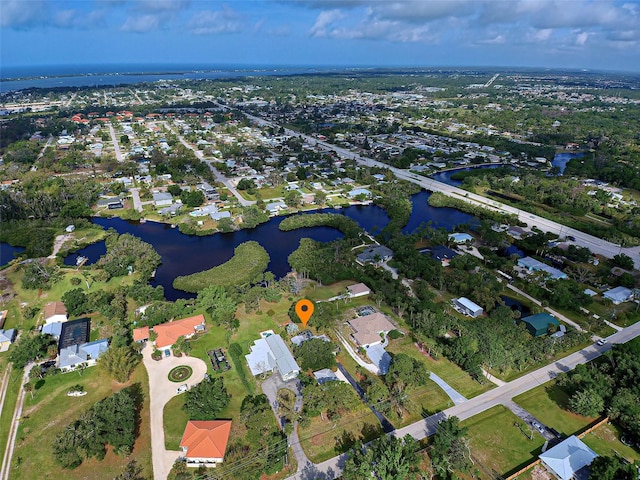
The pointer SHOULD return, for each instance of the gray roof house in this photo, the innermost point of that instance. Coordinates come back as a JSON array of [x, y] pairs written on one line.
[[162, 199], [534, 265], [569, 459], [375, 254], [618, 295], [325, 375], [7, 337], [270, 353], [86, 353]]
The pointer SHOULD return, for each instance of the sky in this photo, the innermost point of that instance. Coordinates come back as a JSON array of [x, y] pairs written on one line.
[[590, 34]]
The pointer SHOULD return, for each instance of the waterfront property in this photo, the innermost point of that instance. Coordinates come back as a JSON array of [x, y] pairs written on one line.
[[375, 254], [569, 459], [467, 307], [269, 354], [204, 442], [538, 324], [460, 237]]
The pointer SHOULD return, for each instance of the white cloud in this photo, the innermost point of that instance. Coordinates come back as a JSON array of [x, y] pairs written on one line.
[[141, 23], [582, 38], [161, 5], [325, 23], [209, 22], [21, 14]]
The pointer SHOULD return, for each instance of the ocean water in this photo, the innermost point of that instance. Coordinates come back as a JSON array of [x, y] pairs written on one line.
[[52, 76]]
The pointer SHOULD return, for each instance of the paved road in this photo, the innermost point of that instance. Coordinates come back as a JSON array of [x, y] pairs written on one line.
[[161, 390], [456, 397], [135, 195], [331, 468], [596, 245], [116, 145], [219, 176], [369, 366]]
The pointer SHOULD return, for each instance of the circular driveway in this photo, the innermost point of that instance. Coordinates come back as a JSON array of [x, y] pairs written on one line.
[[161, 390]]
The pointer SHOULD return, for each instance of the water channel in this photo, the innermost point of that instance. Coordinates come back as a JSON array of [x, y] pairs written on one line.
[[185, 254]]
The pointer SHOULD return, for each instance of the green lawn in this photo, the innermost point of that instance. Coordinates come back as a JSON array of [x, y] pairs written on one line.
[[605, 440], [51, 410], [175, 420], [9, 403], [548, 403], [498, 443], [321, 439], [445, 369]]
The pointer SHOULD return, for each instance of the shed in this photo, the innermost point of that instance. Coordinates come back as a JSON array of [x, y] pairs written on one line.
[[538, 324]]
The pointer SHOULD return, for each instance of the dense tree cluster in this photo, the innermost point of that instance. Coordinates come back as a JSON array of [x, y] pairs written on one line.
[[112, 421], [31, 347], [608, 385], [386, 458], [261, 445], [124, 251], [315, 354], [205, 400]]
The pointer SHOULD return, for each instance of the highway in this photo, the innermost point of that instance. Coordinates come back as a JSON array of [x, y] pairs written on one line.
[[595, 244], [331, 468]]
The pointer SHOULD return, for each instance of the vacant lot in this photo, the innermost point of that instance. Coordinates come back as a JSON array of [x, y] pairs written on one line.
[[605, 440], [548, 403], [51, 410], [498, 443]]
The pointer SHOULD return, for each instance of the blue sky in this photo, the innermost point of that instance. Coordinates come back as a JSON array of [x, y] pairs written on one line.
[[595, 34]]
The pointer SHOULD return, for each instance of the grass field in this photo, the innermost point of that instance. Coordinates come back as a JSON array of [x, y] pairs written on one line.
[[8, 407], [548, 403], [498, 443], [321, 439], [605, 440], [445, 369], [51, 410]]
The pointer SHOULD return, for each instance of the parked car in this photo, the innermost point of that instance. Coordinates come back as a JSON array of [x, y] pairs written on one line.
[[571, 237], [538, 427], [167, 352], [182, 389], [555, 432], [602, 341]]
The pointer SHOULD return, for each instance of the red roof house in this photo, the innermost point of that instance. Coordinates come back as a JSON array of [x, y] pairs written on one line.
[[204, 441], [140, 334], [168, 333]]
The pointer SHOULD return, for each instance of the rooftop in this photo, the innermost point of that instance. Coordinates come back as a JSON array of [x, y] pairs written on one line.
[[367, 329], [169, 332], [206, 438]]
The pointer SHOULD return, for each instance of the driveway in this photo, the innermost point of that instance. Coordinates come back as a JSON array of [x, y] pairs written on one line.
[[270, 388], [161, 390], [448, 389]]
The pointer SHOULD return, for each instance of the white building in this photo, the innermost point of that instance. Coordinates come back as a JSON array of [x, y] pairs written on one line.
[[467, 307]]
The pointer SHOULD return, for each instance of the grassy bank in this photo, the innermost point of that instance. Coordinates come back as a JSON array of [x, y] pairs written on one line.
[[346, 225], [249, 261]]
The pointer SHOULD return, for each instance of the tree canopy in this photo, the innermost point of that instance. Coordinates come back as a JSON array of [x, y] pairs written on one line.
[[315, 354], [386, 458], [205, 400]]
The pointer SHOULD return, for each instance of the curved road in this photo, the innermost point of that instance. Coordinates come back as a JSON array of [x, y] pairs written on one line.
[[161, 390]]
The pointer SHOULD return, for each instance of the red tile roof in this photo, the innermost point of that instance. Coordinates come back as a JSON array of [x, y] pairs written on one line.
[[169, 332], [206, 438], [141, 333]]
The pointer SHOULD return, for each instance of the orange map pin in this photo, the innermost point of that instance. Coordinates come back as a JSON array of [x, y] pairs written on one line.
[[304, 309]]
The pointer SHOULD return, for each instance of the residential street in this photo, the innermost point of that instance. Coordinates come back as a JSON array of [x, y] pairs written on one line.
[[116, 145], [331, 468], [161, 390]]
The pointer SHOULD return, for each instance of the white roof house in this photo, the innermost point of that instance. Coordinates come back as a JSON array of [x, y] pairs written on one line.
[[269, 354], [567, 458], [618, 295], [460, 237], [467, 307]]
